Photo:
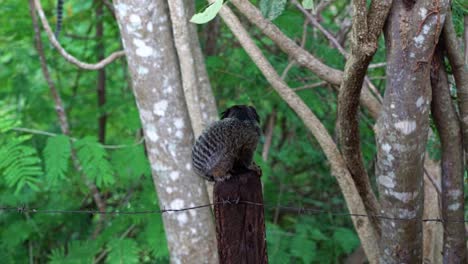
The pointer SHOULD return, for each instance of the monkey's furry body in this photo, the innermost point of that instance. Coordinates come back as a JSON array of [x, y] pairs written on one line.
[[227, 146]]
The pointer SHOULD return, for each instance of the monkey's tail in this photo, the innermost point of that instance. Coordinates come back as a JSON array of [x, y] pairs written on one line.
[[58, 26]]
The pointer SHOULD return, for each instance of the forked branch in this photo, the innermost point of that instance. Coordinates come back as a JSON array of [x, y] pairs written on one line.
[[70, 58]]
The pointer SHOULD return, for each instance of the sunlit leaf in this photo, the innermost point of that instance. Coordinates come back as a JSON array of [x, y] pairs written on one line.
[[208, 14]]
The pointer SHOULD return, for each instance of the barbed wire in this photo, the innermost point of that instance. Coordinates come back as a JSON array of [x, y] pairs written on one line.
[[300, 210]]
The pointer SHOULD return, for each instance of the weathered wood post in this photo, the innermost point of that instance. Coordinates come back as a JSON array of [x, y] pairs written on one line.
[[240, 225]]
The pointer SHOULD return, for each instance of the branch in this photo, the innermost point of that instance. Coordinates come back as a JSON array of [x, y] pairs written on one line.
[[301, 56], [466, 38], [337, 45], [186, 61], [60, 109], [447, 124], [360, 19], [70, 58], [316, 24], [460, 72], [363, 48], [354, 202]]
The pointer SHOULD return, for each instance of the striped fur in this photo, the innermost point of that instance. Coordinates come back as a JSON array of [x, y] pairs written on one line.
[[227, 145]]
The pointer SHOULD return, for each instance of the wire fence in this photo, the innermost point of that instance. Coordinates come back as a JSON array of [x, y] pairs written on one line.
[[299, 210]]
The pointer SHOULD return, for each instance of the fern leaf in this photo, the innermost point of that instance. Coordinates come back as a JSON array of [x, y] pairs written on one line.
[[8, 119], [123, 251], [56, 155], [20, 165], [130, 163], [93, 158]]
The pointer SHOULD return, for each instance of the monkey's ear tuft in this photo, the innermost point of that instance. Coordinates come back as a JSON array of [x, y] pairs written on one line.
[[255, 114], [225, 113]]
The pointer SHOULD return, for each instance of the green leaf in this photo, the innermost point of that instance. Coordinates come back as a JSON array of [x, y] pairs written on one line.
[[208, 14], [272, 9], [121, 158], [155, 237], [308, 4], [346, 238], [56, 155], [19, 164], [8, 119], [81, 251], [93, 159], [303, 248], [123, 251]]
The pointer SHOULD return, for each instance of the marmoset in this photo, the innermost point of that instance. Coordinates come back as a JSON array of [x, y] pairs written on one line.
[[227, 146]]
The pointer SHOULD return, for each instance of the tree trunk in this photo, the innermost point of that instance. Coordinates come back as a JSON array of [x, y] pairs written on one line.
[[146, 33], [448, 126], [411, 34]]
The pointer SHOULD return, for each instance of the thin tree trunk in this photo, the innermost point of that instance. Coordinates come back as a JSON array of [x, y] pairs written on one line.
[[432, 231], [181, 34], [411, 34], [206, 99], [460, 72], [101, 78], [211, 36], [367, 27], [152, 60], [448, 126]]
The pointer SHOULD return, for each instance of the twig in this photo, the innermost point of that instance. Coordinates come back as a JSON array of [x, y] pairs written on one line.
[[325, 32], [310, 86], [70, 58], [49, 134], [377, 65]]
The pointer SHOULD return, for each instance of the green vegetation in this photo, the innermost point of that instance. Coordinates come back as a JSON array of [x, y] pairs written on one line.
[[37, 171]]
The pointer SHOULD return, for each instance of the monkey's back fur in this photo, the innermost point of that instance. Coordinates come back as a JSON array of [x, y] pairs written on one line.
[[227, 146]]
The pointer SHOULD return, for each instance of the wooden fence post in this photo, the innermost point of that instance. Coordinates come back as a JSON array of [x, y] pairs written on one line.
[[240, 225]]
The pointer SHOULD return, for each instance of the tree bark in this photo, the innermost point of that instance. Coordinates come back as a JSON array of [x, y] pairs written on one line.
[[181, 33], [448, 126], [367, 27], [432, 231], [101, 78], [157, 85], [411, 33], [460, 72], [240, 221]]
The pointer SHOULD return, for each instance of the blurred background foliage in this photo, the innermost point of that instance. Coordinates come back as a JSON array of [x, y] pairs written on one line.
[[36, 169]]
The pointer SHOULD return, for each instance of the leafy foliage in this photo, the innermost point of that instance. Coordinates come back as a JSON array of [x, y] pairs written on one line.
[[271, 9], [56, 155], [295, 171], [93, 158], [123, 251], [208, 14], [20, 164]]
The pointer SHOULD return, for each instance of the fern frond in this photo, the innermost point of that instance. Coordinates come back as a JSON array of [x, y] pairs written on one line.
[[130, 164], [78, 252], [123, 251], [19, 164], [93, 158], [56, 155], [8, 119]]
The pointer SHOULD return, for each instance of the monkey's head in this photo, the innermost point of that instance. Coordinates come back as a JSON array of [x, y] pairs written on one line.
[[241, 112]]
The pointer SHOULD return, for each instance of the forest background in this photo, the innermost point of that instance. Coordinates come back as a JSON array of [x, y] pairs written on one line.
[[37, 157]]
